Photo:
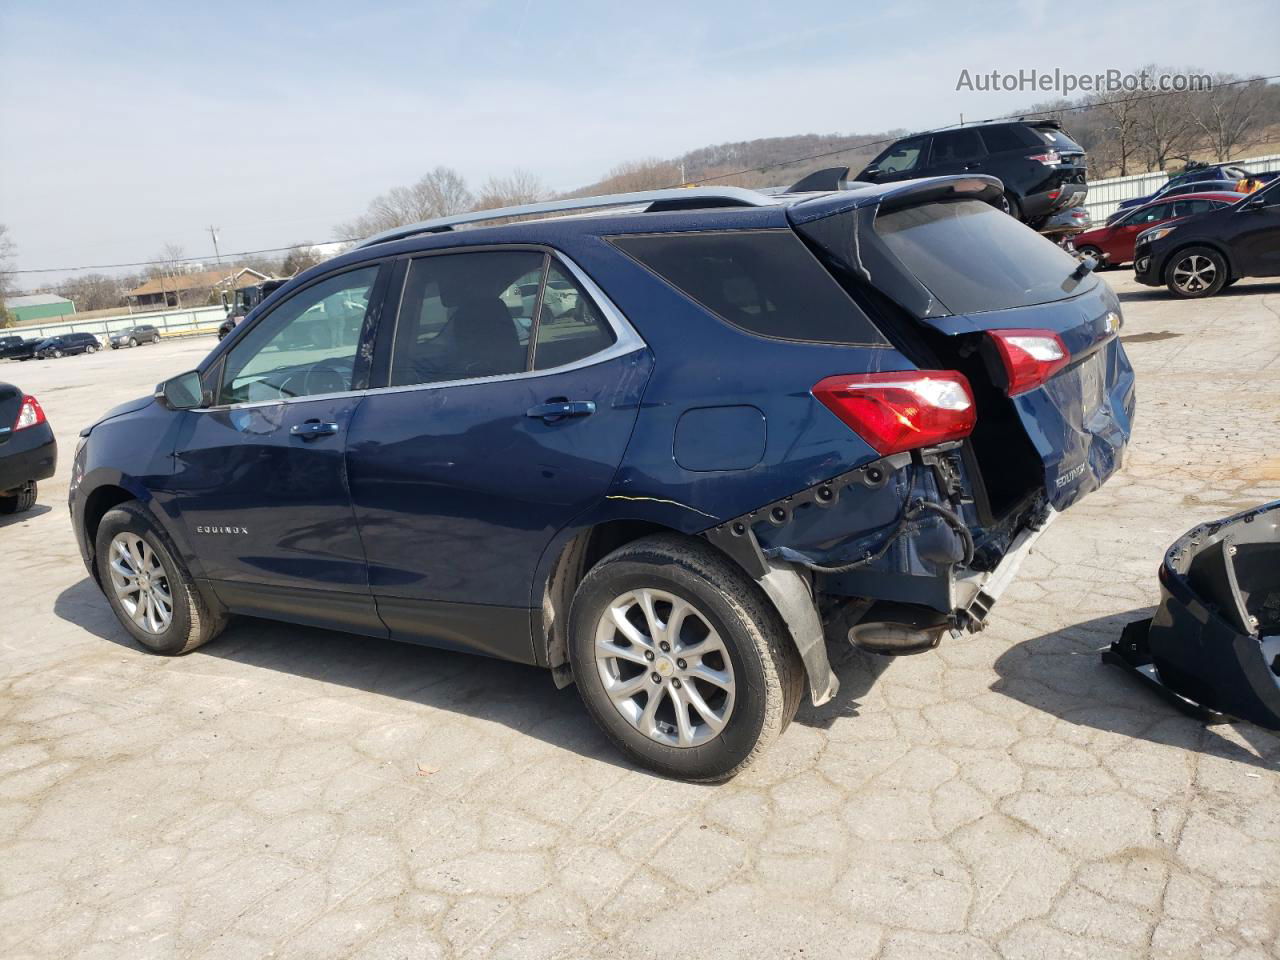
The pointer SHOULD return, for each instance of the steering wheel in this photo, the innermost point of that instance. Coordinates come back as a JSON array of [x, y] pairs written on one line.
[[325, 377]]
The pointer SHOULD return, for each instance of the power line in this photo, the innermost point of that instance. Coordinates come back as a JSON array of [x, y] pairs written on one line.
[[150, 263], [688, 183]]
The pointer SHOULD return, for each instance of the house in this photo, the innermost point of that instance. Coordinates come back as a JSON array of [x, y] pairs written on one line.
[[39, 306], [193, 289]]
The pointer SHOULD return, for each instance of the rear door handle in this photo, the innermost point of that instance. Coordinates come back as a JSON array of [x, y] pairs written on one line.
[[312, 429], [559, 409]]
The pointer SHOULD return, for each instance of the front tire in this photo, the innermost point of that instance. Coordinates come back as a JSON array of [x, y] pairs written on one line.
[[21, 501], [90, 349], [133, 341], [1195, 272], [148, 586], [728, 677], [57, 354]]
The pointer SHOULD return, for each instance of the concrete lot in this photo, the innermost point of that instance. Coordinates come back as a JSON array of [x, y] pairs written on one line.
[[292, 792]]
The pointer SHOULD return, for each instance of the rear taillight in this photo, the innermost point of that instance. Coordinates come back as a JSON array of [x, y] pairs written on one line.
[[1049, 159], [1030, 357], [29, 414], [901, 411]]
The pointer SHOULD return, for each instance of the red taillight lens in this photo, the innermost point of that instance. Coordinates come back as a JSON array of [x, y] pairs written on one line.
[[901, 411], [1048, 159], [1030, 357], [29, 414]]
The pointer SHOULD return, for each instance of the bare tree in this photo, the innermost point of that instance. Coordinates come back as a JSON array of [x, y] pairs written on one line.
[[440, 193], [165, 266], [92, 291], [299, 259], [1165, 127], [1226, 115], [7, 249], [1118, 146], [520, 186]]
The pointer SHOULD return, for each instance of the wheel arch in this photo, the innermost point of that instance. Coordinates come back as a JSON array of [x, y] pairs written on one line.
[[784, 587], [97, 503]]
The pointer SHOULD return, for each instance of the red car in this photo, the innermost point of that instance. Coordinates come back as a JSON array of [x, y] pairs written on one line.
[[1113, 244]]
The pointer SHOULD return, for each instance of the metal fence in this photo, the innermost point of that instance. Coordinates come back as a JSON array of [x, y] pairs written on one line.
[[1105, 195], [175, 322]]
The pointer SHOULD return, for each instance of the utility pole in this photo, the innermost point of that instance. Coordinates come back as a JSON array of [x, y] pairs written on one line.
[[231, 293]]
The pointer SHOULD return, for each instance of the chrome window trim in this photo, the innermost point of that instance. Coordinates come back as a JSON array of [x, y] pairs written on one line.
[[627, 342]]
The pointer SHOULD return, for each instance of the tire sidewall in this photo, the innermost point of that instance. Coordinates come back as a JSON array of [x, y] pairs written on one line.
[[735, 743], [133, 519]]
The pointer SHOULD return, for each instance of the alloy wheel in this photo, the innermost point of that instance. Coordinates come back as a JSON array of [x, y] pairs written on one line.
[[140, 583], [1194, 273], [665, 668]]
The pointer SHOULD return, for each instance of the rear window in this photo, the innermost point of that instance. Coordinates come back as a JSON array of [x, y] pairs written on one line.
[[1058, 139], [763, 281], [974, 258]]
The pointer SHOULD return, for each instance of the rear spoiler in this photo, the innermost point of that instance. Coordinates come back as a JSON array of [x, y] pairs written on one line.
[[894, 196]]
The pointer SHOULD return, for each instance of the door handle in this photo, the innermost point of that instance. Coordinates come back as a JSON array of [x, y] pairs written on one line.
[[312, 429], [558, 409]]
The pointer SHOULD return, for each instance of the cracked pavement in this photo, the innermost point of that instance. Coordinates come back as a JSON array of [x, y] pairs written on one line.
[[291, 792]]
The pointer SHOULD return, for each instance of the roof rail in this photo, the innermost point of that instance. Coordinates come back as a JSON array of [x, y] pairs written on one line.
[[679, 197]]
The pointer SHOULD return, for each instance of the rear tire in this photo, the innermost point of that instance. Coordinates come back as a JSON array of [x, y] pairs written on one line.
[[148, 586], [21, 501], [1195, 272], [738, 684], [1012, 207], [1089, 251]]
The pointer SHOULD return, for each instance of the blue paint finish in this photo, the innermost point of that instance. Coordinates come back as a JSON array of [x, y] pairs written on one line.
[[720, 438], [457, 492]]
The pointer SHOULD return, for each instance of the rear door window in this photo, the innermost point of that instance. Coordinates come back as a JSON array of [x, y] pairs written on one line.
[[956, 147], [903, 156], [975, 258], [763, 281]]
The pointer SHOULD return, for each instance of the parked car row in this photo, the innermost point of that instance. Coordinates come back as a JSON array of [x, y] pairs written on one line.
[[13, 347]]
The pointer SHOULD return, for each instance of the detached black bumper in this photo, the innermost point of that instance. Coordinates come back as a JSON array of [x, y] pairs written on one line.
[[1213, 646], [30, 454]]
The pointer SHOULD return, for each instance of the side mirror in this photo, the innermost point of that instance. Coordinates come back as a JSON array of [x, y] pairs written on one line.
[[870, 174], [183, 392], [1255, 202]]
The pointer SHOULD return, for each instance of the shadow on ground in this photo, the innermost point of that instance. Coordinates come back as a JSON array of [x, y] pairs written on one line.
[[1059, 673], [12, 519], [1242, 289], [1062, 673]]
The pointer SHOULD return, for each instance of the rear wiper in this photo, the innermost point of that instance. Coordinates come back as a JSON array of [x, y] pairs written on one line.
[[1085, 267]]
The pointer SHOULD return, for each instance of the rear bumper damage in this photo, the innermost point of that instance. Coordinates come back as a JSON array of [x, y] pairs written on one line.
[[1213, 646], [890, 556]]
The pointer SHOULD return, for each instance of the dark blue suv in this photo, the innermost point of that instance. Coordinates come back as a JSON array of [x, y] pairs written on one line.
[[666, 451]]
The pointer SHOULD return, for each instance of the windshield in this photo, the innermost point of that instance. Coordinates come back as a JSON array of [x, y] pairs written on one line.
[[975, 258]]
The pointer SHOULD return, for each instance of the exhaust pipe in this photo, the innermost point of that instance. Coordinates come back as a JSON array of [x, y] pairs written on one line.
[[1213, 646], [899, 629]]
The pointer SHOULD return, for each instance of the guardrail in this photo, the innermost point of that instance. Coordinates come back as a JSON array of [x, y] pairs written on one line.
[[1105, 195], [167, 322]]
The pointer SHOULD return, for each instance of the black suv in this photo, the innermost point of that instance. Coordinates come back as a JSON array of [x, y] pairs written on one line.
[[66, 344], [135, 336], [1041, 167], [1198, 256]]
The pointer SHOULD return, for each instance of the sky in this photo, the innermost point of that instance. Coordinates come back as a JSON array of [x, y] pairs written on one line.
[[126, 126]]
